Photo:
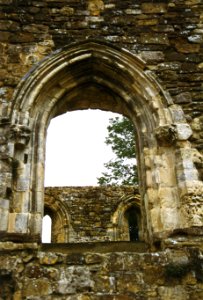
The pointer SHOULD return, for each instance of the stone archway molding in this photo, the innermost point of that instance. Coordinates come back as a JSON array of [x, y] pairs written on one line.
[[96, 74], [118, 216]]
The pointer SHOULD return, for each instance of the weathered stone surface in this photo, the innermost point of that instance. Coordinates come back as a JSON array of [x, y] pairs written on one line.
[[49, 259], [119, 275], [95, 7], [36, 287], [83, 218], [74, 279], [151, 8], [167, 35], [170, 292], [183, 98], [154, 38], [152, 56], [185, 47]]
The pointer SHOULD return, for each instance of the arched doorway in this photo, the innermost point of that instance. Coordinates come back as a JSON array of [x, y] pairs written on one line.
[[98, 75], [127, 219], [60, 224], [132, 221]]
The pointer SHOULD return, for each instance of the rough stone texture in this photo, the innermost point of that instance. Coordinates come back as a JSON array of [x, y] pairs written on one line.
[[78, 274], [143, 59], [139, 58], [91, 214], [31, 30]]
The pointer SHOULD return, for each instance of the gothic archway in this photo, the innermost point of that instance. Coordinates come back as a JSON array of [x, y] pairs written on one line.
[[61, 229], [98, 75], [128, 214]]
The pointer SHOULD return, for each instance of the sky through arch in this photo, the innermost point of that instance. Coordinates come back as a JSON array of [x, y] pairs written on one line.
[[75, 148]]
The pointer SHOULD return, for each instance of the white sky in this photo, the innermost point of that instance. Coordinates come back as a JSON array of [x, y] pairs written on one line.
[[75, 149]]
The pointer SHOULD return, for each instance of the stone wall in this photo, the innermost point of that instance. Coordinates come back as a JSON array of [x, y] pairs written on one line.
[[144, 60], [78, 273], [90, 214], [167, 35]]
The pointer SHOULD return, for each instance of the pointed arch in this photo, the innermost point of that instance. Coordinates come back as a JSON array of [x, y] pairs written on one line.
[[61, 229], [95, 74], [120, 219]]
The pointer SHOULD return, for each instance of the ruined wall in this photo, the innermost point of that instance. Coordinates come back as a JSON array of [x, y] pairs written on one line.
[[166, 34], [27, 272], [90, 214]]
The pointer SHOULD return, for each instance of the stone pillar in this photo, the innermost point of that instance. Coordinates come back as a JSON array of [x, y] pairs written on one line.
[[6, 154]]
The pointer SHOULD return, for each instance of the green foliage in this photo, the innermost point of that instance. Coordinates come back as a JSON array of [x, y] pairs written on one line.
[[122, 169]]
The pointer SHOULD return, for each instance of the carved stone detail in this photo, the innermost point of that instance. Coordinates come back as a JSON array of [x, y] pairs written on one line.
[[191, 208], [166, 135], [20, 134]]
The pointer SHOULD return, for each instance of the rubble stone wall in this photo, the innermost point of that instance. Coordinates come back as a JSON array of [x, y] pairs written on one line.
[[28, 272], [144, 60], [167, 35], [90, 214], [141, 59]]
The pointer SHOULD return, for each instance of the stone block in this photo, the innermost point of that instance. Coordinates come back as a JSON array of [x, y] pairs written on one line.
[[9, 26], [36, 287], [3, 219], [166, 176], [22, 184], [4, 204], [177, 114], [154, 8], [152, 56], [6, 2], [156, 222], [154, 38], [169, 218], [95, 7], [18, 222], [152, 196], [146, 22], [149, 180], [185, 47], [21, 222], [168, 197], [4, 36], [196, 38], [177, 292], [74, 279], [130, 11], [47, 258], [76, 258], [93, 259], [183, 98], [183, 131], [35, 223]]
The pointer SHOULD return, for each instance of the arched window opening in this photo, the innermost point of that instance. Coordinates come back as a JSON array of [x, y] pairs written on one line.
[[55, 226], [132, 219], [77, 130], [46, 229], [75, 148], [94, 74]]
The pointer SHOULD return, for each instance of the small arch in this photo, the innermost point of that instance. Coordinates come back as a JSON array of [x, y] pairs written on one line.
[[60, 229], [127, 220]]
